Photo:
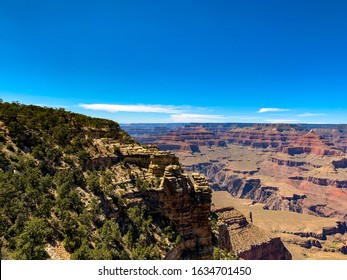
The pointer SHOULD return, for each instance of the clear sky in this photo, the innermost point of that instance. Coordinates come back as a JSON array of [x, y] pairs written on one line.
[[178, 61]]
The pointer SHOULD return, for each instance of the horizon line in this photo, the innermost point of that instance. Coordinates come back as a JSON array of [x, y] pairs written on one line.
[[263, 123]]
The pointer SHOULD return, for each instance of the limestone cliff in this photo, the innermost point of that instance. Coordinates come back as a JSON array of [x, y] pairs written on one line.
[[246, 240], [184, 199]]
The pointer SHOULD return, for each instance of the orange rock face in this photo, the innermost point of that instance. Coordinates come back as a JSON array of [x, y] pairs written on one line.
[[296, 166], [313, 143], [291, 139]]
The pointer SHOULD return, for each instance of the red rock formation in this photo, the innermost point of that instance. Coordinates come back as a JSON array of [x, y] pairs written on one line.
[[312, 143], [286, 157], [293, 139], [322, 181]]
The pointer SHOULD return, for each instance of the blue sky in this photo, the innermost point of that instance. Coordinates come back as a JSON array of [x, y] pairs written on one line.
[[178, 61]]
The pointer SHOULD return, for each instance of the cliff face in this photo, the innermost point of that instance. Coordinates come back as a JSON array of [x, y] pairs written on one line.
[[296, 168], [312, 143], [246, 240], [79, 187], [323, 181], [291, 139], [268, 195], [185, 200]]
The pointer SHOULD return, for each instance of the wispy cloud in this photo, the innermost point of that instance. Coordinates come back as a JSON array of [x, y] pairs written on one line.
[[281, 121], [138, 108], [266, 110], [197, 118], [178, 114], [311, 114]]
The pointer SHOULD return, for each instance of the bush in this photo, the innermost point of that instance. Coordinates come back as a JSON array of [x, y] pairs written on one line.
[[31, 242]]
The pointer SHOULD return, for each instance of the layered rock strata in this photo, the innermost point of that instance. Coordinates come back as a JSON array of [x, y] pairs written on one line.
[[246, 240], [184, 199], [288, 138]]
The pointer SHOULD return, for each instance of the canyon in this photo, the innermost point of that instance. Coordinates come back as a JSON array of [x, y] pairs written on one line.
[[282, 168], [76, 187]]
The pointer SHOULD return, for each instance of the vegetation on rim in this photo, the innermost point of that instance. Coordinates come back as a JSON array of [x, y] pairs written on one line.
[[53, 190], [50, 190]]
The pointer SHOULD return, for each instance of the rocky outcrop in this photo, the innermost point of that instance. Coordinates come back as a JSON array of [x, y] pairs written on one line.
[[312, 143], [268, 195], [292, 163], [94, 193], [170, 146], [159, 161], [289, 163], [306, 242], [308, 150], [224, 237], [340, 228], [327, 182], [311, 243], [186, 201], [270, 250], [246, 240], [183, 199], [322, 181]]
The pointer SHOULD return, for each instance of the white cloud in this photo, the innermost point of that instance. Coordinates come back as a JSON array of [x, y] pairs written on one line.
[[178, 114], [266, 110], [138, 108], [310, 115], [282, 121], [197, 118]]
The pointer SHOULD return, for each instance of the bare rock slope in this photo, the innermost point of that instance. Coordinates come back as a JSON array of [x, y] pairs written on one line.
[[246, 240]]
